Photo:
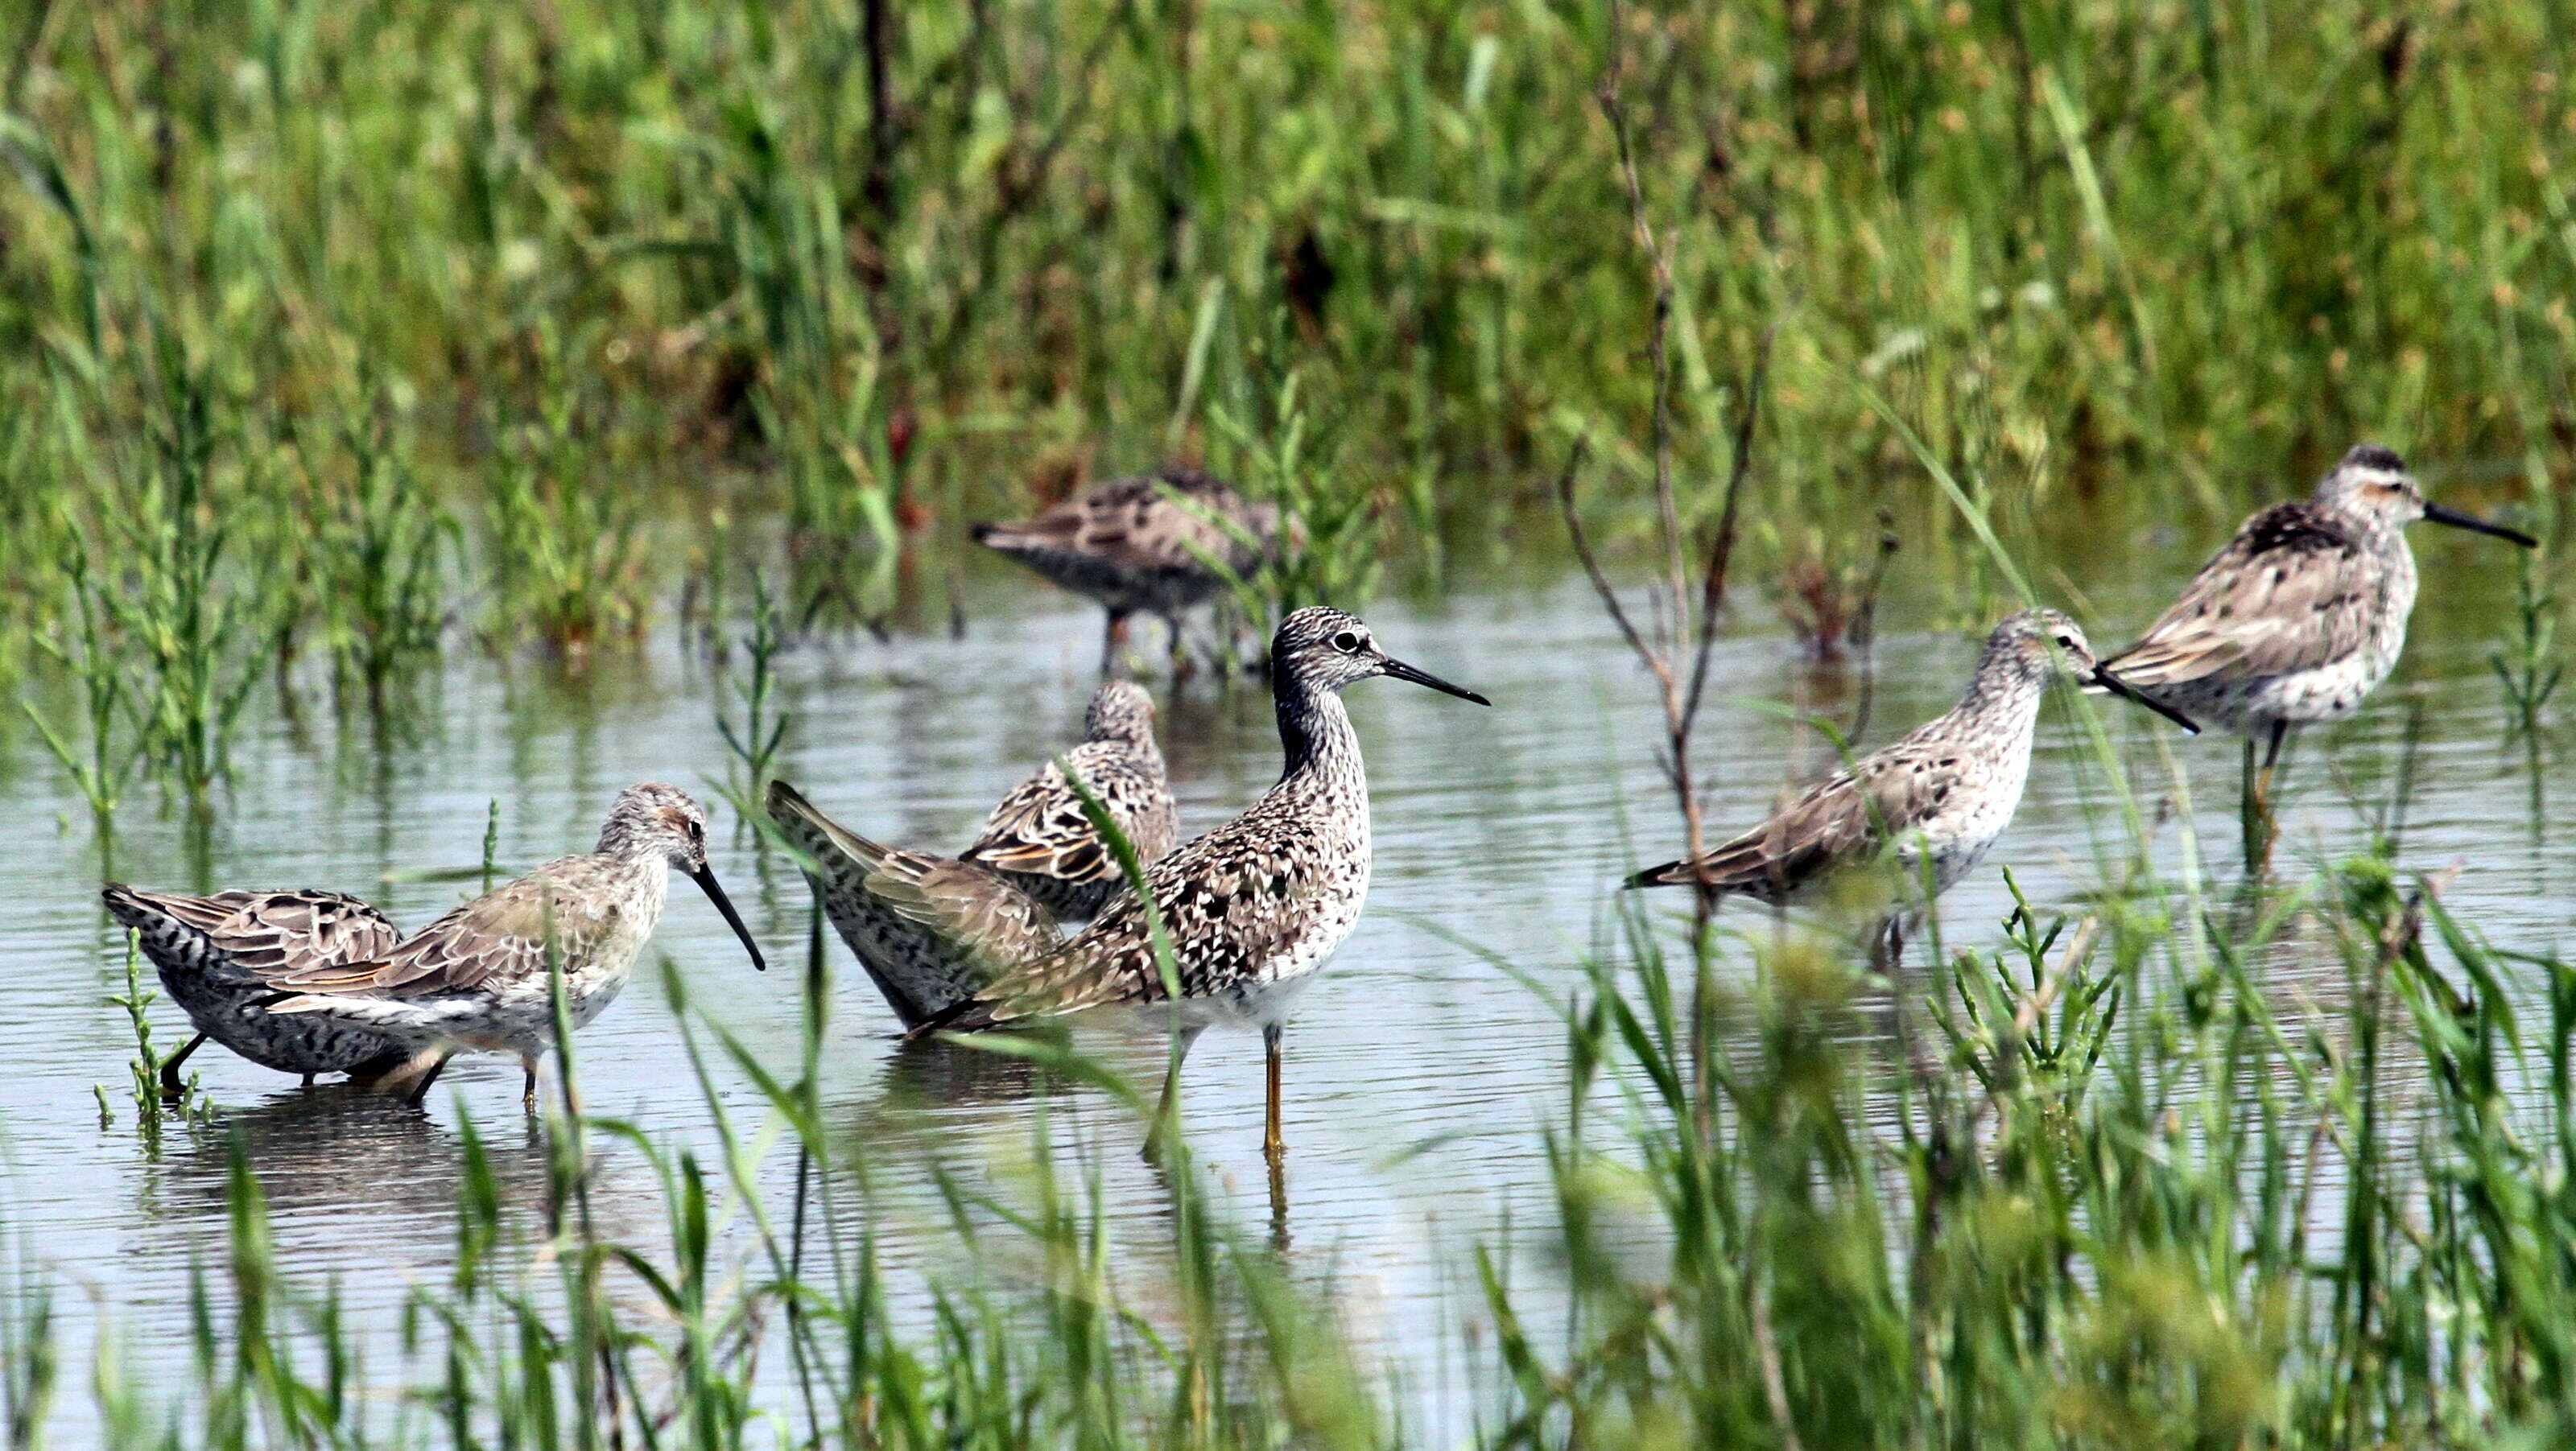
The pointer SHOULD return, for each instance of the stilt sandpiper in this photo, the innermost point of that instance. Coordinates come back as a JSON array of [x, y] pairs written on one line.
[[221, 958], [2301, 615], [1253, 908], [479, 978], [1943, 792], [1150, 543]]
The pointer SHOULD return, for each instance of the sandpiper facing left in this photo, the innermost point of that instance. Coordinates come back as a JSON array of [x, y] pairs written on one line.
[[1942, 793], [1157, 544], [478, 979]]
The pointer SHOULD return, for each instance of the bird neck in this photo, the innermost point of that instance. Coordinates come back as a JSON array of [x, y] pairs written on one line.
[[1314, 730], [2006, 686], [1139, 740]]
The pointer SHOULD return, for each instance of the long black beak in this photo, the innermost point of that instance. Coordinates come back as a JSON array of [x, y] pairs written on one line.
[[707, 880], [2126, 691], [2459, 520], [1402, 671]]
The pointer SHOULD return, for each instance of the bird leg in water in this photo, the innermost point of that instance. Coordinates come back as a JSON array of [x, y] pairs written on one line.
[[171, 1087], [1887, 943], [2260, 824], [1184, 664], [1113, 642], [1166, 1107], [1272, 1145], [437, 1066], [528, 1089]]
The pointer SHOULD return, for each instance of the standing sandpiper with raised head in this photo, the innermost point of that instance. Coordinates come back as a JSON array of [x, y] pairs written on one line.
[[2300, 616], [1252, 909], [1939, 795], [481, 978]]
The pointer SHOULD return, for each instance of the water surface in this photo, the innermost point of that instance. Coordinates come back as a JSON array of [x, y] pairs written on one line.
[[1418, 1073]]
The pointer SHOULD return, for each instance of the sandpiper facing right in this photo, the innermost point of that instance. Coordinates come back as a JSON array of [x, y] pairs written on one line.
[[2302, 614], [1945, 791], [482, 977]]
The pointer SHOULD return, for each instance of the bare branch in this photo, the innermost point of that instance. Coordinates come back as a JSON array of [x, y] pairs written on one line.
[[1721, 549], [1592, 564]]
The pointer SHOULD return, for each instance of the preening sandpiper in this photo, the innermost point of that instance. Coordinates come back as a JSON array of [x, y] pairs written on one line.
[[1041, 840], [931, 930]]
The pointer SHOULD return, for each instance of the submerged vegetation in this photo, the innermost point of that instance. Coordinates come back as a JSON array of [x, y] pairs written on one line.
[[338, 337]]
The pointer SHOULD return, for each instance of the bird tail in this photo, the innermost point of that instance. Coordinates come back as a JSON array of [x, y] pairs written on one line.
[[818, 835], [1669, 874], [931, 931], [1007, 538]]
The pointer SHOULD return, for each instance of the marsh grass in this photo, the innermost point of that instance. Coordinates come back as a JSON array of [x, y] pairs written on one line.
[[762, 733], [2100, 265]]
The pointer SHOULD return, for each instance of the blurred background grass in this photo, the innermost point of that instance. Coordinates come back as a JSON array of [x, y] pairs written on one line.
[[583, 290]]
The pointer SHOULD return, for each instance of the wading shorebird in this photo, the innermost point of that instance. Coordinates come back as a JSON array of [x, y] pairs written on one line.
[[2301, 615], [1252, 909], [478, 979], [1041, 840], [1940, 795], [222, 957], [1156, 544]]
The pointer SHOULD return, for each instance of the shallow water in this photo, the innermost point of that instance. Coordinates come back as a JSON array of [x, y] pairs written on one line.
[[1418, 1073]]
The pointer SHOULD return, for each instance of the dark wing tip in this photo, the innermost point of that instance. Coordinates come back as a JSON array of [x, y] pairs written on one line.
[[1668, 874], [968, 1015]]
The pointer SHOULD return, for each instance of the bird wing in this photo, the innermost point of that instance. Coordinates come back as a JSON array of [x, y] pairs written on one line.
[[2290, 592], [1842, 819], [1041, 827], [1133, 525], [270, 934], [499, 936], [277, 934]]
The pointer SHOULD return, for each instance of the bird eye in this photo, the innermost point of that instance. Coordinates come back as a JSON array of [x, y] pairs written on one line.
[[697, 831], [1347, 642], [2066, 640]]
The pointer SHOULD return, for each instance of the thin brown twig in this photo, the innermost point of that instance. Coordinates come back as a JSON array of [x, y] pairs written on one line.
[[1592, 565], [1021, 186], [1721, 550]]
